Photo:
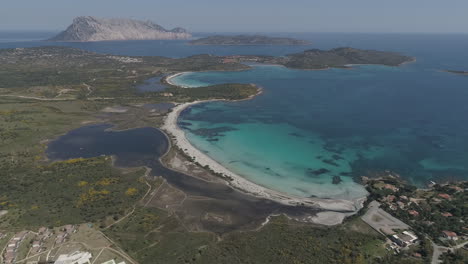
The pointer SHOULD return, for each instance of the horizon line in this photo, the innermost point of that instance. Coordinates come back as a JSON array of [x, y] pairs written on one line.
[[265, 32]]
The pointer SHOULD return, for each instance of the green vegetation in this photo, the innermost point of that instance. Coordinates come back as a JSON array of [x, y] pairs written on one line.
[[68, 192], [62, 72], [230, 91], [340, 57], [152, 236], [280, 242], [38, 192], [460, 256], [315, 59]]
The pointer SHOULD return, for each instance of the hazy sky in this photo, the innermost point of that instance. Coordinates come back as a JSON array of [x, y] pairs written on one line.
[[249, 15]]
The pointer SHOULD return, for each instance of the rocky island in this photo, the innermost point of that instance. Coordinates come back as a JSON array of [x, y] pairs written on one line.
[[247, 40], [87, 28]]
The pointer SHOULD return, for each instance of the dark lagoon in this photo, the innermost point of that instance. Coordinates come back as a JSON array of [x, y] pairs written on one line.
[[151, 85], [144, 147]]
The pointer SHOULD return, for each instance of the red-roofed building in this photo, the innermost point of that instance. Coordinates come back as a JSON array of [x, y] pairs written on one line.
[[450, 235], [390, 198], [447, 214], [413, 212], [445, 196], [456, 188], [390, 187]]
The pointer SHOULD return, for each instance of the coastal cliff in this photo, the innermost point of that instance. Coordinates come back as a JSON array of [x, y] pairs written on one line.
[[87, 28]]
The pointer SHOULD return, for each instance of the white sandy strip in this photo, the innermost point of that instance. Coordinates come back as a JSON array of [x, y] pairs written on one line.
[[239, 182], [169, 78]]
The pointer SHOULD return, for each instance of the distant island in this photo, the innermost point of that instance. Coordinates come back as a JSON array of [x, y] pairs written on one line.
[[342, 57], [315, 59], [87, 28], [457, 72], [247, 40]]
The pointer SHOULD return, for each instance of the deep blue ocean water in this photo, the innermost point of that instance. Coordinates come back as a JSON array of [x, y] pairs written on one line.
[[309, 126]]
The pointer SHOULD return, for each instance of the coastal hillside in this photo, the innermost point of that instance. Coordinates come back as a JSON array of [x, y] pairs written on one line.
[[316, 59], [340, 57], [247, 40], [87, 28]]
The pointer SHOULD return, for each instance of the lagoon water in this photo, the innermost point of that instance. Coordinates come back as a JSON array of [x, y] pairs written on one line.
[[309, 126]]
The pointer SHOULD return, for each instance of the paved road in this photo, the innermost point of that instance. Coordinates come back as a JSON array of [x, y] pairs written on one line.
[[439, 250]]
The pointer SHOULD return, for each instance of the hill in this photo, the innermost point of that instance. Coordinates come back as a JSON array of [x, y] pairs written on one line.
[[87, 28], [341, 57]]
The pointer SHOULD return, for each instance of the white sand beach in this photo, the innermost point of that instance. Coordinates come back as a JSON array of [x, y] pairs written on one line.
[[239, 182], [170, 77]]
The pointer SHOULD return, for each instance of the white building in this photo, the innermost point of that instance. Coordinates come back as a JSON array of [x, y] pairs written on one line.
[[76, 257], [113, 262]]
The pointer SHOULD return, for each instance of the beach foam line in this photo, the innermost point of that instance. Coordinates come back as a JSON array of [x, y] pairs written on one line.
[[238, 182], [170, 77]]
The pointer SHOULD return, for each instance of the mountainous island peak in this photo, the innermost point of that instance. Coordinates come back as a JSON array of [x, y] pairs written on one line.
[[89, 28]]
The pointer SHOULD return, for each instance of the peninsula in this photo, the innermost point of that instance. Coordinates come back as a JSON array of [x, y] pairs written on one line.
[[457, 72], [342, 57], [247, 40], [316, 59], [88, 28]]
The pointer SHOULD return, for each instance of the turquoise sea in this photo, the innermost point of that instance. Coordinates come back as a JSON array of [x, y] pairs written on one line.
[[309, 127]]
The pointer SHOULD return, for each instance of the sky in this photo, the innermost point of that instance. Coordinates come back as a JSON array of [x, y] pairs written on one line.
[[394, 16]]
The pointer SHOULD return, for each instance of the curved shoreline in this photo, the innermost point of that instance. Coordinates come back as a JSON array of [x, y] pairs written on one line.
[[236, 181], [168, 79]]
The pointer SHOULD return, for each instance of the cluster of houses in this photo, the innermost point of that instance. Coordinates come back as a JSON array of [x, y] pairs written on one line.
[[403, 202], [64, 233], [37, 244], [11, 250], [43, 234]]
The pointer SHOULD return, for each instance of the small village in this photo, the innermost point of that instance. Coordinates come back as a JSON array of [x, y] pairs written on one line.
[[414, 220], [63, 245]]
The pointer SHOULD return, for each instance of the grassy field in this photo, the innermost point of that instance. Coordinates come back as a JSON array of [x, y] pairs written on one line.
[[38, 192], [152, 236]]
